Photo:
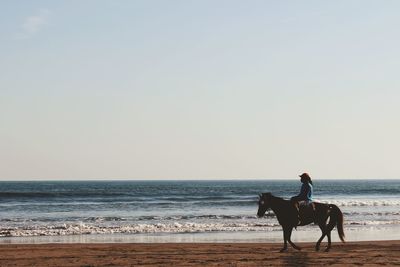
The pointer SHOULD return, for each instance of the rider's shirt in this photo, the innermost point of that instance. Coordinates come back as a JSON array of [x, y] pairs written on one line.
[[306, 193]]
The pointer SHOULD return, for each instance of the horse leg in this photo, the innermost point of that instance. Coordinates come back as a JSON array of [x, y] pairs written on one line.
[[290, 241], [328, 234], [322, 226], [285, 235]]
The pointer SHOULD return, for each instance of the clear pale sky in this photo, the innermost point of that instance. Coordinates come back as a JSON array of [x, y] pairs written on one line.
[[199, 89]]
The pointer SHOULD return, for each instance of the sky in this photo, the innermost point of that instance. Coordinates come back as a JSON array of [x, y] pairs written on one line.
[[199, 89]]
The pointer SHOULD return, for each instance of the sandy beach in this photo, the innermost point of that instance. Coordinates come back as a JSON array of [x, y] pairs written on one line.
[[372, 253]]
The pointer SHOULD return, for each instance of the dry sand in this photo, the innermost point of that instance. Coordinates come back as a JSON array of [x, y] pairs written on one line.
[[372, 253]]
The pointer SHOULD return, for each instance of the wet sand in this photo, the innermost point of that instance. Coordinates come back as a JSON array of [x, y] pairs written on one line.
[[365, 253]]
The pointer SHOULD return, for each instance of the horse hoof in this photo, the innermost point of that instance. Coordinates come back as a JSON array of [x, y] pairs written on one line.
[[327, 250], [316, 248], [283, 250]]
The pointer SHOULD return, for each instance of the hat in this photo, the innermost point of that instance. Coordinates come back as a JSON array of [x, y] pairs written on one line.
[[305, 175]]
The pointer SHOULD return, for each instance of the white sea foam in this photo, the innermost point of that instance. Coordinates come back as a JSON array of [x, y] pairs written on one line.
[[362, 202], [79, 229], [177, 227]]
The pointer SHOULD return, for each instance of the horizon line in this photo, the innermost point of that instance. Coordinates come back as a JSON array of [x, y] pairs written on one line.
[[177, 179]]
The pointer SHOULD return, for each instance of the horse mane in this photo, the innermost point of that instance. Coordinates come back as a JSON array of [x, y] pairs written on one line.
[[269, 195]]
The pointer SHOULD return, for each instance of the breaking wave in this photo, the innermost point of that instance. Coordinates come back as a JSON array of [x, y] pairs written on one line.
[[79, 229], [90, 229]]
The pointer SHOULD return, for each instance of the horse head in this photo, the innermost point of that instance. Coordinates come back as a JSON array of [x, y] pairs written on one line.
[[264, 203]]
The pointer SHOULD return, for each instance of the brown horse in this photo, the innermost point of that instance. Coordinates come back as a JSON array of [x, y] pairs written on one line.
[[287, 216]]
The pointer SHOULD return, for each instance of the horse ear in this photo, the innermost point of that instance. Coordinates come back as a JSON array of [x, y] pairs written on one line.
[[260, 196]]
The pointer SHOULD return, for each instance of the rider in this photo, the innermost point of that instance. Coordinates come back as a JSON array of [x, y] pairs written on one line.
[[306, 194]]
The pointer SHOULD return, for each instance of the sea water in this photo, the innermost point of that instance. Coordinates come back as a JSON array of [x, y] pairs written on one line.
[[184, 211]]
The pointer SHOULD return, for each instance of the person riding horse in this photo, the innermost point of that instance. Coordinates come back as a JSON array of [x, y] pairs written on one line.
[[305, 198]]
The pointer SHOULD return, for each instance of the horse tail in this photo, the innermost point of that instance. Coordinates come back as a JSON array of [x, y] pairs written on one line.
[[338, 215]]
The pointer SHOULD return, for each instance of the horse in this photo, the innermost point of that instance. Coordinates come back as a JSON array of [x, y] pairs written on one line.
[[288, 217]]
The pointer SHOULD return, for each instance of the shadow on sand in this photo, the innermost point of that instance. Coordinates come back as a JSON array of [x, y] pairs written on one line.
[[299, 259]]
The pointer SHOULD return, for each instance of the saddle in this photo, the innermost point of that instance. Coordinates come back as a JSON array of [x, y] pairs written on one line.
[[304, 204], [305, 211]]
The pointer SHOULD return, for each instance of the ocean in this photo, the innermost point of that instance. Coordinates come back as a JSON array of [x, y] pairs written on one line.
[[185, 211]]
